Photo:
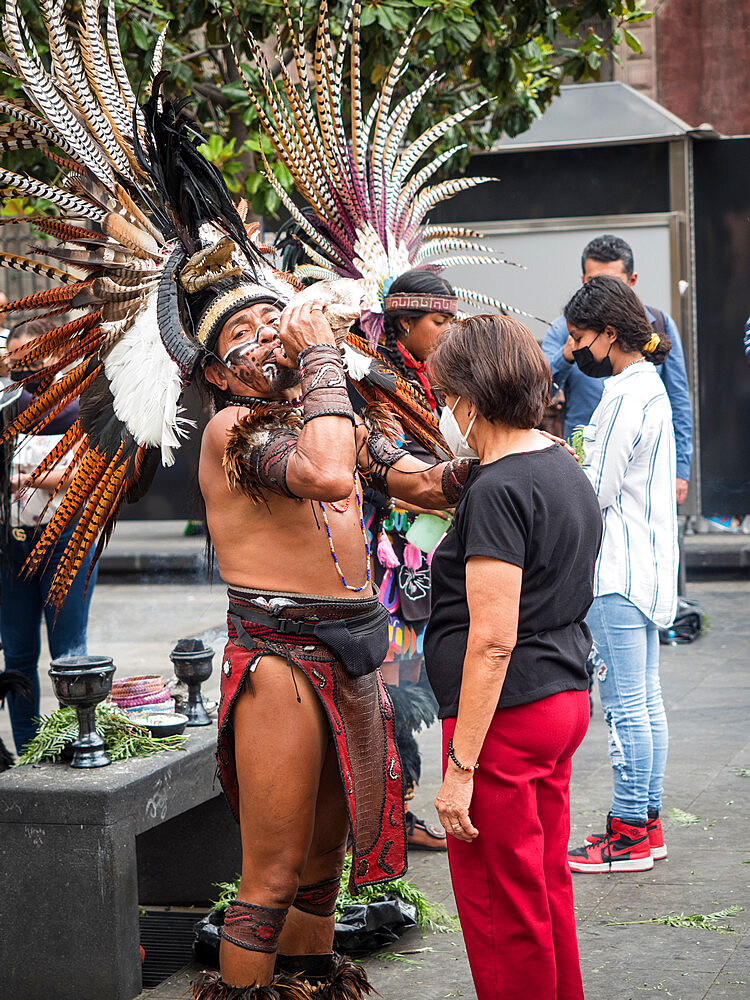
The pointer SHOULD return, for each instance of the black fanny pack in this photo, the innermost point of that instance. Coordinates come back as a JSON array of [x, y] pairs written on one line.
[[359, 643]]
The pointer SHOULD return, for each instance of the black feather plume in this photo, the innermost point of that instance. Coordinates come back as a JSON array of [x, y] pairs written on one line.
[[192, 190]]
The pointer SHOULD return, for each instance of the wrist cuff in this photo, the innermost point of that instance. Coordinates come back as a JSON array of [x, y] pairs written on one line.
[[323, 382]]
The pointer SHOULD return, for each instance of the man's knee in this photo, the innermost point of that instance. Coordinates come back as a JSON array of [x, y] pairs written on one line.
[[274, 884]]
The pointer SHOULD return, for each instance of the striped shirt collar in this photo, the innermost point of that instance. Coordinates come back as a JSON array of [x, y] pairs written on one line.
[[632, 368]]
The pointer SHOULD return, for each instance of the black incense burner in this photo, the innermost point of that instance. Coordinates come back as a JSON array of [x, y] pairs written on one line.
[[192, 664], [82, 682]]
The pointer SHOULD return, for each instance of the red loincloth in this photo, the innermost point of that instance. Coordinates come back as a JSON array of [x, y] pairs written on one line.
[[360, 715]]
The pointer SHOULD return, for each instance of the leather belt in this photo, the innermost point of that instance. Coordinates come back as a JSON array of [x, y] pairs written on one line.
[[286, 626]]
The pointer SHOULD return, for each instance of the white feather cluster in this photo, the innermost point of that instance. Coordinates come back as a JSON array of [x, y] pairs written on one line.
[[375, 263], [357, 365], [146, 385]]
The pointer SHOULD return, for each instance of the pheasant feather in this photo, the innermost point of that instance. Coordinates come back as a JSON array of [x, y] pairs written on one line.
[[118, 196], [46, 97], [368, 191], [19, 263]]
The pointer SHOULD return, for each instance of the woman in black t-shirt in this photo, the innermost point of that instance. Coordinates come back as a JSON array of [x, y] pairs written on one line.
[[505, 651]]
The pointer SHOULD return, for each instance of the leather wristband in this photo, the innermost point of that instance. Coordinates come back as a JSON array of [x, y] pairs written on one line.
[[323, 383]]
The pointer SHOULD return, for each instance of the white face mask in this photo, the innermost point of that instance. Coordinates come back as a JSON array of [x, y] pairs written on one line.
[[454, 438]]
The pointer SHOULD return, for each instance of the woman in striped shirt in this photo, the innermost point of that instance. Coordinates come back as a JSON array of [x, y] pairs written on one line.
[[629, 457]]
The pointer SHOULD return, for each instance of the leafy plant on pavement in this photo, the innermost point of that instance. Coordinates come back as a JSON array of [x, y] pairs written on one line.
[[682, 818], [701, 921]]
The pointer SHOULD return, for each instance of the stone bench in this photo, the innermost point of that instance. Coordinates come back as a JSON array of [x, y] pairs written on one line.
[[80, 850]]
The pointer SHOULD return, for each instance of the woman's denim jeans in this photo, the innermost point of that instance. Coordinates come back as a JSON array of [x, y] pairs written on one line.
[[21, 608], [630, 691]]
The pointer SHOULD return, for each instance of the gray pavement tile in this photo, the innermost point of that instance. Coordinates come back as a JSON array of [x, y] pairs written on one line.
[[656, 948], [719, 826], [734, 978], [687, 866], [657, 951], [589, 898], [173, 988], [644, 899], [440, 973], [613, 980], [727, 987]]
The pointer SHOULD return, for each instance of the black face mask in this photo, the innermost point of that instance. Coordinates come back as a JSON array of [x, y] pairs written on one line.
[[589, 364], [31, 379]]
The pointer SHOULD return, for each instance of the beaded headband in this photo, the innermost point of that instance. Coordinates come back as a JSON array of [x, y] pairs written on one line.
[[229, 303], [421, 303]]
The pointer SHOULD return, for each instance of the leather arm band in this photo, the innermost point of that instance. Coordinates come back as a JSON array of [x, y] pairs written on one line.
[[383, 455], [455, 474], [323, 383], [255, 459]]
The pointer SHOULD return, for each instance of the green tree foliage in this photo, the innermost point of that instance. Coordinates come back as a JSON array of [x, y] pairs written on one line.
[[517, 53]]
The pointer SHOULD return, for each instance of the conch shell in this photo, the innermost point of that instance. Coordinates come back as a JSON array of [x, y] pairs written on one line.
[[341, 303]]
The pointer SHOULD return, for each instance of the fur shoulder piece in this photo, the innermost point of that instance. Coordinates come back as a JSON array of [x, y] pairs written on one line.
[[380, 419], [258, 449]]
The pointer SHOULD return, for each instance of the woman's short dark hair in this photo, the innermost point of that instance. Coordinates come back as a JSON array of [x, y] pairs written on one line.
[[418, 281], [33, 328], [496, 363], [604, 302]]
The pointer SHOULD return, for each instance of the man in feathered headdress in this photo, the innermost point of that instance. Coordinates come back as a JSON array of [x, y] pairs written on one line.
[[306, 746]]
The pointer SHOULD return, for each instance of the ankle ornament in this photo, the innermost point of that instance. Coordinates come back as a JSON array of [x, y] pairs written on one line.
[[210, 986]]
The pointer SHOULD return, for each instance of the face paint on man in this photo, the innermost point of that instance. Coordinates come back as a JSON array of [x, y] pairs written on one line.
[[255, 360]]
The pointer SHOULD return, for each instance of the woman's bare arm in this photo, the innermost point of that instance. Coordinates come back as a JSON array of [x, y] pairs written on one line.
[[493, 590]]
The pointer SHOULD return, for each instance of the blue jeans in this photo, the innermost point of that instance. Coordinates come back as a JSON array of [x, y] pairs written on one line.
[[21, 608], [630, 691]]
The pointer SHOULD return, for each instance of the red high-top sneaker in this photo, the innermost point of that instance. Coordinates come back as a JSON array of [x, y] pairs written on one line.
[[655, 837], [624, 848]]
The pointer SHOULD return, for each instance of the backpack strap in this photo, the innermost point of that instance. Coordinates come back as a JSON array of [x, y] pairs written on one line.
[[658, 322]]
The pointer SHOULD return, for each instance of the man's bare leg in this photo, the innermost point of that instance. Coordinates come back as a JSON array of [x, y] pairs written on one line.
[[280, 747], [306, 933]]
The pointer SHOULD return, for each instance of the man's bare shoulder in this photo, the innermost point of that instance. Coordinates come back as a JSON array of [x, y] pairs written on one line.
[[218, 427]]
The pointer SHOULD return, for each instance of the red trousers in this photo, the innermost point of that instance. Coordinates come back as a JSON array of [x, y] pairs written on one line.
[[512, 884]]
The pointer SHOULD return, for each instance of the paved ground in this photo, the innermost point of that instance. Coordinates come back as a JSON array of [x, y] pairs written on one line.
[[138, 546], [707, 691]]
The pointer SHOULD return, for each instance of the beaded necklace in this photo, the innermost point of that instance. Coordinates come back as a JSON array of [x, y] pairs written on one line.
[[341, 508], [253, 402], [637, 361], [364, 536]]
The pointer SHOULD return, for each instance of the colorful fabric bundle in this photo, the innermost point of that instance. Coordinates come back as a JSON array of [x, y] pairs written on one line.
[[144, 693]]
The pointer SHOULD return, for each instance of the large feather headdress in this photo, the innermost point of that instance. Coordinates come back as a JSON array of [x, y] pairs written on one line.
[[145, 242], [368, 194]]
